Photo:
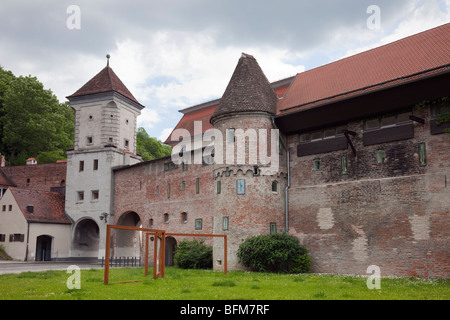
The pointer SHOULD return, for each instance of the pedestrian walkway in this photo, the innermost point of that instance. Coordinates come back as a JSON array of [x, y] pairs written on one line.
[[10, 266]]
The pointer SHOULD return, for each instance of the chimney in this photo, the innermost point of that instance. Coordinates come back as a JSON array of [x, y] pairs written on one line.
[[126, 157]]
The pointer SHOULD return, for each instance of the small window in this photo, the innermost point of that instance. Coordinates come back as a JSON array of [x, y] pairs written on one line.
[[329, 133], [4, 207], [318, 135], [166, 218], [274, 186], [305, 137], [127, 143], [28, 181], [110, 139], [388, 121], [219, 187], [183, 217], [230, 135], [185, 167], [372, 124], [441, 109], [340, 130], [227, 172], [2, 237], [89, 140], [344, 167], [80, 196], [404, 117], [316, 164], [197, 185], [10, 207], [91, 117], [150, 223], [381, 156], [81, 166], [17, 237], [168, 190], [225, 223], [94, 195], [198, 224], [183, 185], [95, 164], [273, 228], [240, 186], [422, 154]]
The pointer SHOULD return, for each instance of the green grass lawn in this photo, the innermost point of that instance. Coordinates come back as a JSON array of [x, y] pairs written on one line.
[[180, 284]]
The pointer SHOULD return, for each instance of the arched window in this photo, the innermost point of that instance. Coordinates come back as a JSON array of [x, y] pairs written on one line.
[[183, 217], [274, 186], [166, 218]]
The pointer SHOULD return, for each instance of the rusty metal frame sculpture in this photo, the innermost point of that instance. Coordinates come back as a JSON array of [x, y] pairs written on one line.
[[224, 236], [159, 251], [157, 261]]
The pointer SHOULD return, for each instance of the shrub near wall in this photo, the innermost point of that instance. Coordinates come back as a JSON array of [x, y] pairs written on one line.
[[193, 255], [279, 253]]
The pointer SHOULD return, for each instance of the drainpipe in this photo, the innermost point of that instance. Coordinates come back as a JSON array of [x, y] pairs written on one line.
[[288, 165], [28, 236]]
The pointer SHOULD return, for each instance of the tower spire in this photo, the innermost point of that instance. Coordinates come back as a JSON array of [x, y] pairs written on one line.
[[107, 59]]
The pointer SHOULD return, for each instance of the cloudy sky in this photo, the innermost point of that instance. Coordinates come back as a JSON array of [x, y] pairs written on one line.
[[173, 54]]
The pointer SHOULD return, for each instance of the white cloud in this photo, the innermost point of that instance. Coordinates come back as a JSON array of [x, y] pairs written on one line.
[[165, 134], [419, 16]]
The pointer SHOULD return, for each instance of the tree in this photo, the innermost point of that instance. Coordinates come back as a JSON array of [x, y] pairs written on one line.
[[32, 119], [150, 148]]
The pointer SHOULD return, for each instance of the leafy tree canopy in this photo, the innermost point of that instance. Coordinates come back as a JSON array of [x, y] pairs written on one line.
[[32, 120], [150, 148]]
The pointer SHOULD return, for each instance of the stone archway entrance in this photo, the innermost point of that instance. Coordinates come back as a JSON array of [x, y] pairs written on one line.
[[86, 239], [43, 248], [128, 242], [169, 253]]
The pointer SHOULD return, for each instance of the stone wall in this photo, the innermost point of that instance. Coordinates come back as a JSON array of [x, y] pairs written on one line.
[[394, 214]]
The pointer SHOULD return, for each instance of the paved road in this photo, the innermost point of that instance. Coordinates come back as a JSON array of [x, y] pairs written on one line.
[[36, 266]]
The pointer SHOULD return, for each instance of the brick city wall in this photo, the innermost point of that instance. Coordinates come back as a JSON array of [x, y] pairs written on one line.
[[39, 176], [393, 214]]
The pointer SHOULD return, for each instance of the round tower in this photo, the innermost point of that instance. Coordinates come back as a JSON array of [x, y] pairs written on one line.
[[250, 176]]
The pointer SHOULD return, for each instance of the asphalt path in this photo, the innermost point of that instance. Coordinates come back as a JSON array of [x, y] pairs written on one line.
[[36, 266]]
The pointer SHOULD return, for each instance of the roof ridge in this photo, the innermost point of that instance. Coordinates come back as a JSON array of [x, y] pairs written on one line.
[[104, 81]]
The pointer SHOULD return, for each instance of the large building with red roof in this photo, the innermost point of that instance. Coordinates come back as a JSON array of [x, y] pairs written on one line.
[[350, 157]]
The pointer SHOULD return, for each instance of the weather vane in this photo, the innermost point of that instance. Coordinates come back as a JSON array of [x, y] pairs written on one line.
[[107, 61]]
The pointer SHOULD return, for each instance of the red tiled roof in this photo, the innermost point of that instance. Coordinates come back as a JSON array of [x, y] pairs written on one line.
[[394, 63], [105, 81], [204, 112], [5, 181], [48, 207], [187, 122]]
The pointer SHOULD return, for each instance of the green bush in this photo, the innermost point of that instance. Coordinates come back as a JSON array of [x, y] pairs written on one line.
[[193, 255], [279, 253]]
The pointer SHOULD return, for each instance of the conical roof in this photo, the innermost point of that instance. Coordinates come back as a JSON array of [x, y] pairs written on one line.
[[105, 81], [248, 90]]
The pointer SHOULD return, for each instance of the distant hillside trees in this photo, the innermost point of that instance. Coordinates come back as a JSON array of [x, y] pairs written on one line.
[[150, 148], [33, 123]]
